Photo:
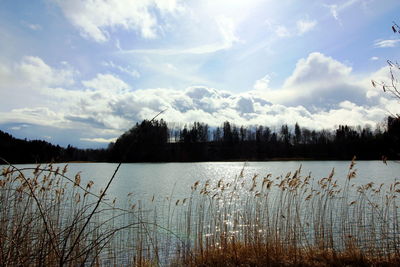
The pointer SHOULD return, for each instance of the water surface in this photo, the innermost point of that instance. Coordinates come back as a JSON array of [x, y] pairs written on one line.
[[163, 179]]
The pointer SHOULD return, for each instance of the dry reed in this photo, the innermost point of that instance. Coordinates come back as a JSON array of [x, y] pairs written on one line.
[[291, 220]]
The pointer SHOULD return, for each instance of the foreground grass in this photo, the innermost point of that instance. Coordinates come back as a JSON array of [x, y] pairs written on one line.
[[48, 219]]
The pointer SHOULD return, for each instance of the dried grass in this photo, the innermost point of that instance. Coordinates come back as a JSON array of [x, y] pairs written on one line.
[[291, 220]]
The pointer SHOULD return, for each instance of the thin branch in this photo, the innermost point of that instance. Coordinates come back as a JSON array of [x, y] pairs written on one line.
[[90, 216], [161, 112]]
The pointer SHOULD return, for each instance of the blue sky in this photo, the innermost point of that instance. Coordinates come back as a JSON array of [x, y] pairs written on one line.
[[82, 72]]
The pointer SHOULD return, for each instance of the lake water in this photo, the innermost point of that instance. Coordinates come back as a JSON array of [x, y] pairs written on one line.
[[146, 180]]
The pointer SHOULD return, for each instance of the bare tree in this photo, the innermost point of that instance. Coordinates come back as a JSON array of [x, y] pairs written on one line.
[[392, 86]]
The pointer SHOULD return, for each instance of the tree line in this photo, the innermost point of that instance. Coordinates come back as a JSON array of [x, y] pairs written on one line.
[[14, 150], [156, 141]]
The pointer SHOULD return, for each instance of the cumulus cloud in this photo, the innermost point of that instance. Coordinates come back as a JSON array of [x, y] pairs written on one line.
[[36, 71], [106, 82], [319, 82], [95, 18], [316, 68], [263, 83], [213, 106], [24, 83], [320, 93]]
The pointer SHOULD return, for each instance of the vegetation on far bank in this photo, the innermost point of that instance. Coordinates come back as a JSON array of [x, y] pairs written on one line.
[[156, 141]]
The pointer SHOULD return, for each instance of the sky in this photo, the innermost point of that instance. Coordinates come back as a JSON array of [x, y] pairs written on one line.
[[82, 72]]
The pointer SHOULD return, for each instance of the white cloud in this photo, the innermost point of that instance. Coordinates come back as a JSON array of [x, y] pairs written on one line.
[[301, 27], [263, 83], [25, 83], [319, 82], [214, 106], [305, 25], [226, 27], [227, 38], [320, 93], [374, 58], [99, 140], [35, 27], [350, 114], [36, 71], [334, 11], [282, 31], [40, 115], [32, 26], [386, 43], [316, 68], [17, 128], [107, 82], [336, 8], [96, 18], [131, 72], [372, 93]]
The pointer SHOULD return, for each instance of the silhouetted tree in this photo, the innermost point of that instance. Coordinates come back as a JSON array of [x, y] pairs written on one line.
[[285, 134], [297, 134], [217, 135], [242, 134], [143, 142], [227, 132]]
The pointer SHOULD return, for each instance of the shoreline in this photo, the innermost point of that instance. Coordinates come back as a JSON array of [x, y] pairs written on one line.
[[284, 159]]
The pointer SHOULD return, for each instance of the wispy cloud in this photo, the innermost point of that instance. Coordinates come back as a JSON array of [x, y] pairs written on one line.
[[386, 43], [95, 18], [35, 27], [32, 26], [335, 9], [226, 27], [132, 72], [19, 127], [299, 28], [197, 50], [305, 25], [228, 38], [282, 31], [99, 140]]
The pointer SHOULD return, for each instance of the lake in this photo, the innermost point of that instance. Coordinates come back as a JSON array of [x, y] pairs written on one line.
[[163, 179]]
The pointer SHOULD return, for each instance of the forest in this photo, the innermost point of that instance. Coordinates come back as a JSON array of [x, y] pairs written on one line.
[[156, 141]]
